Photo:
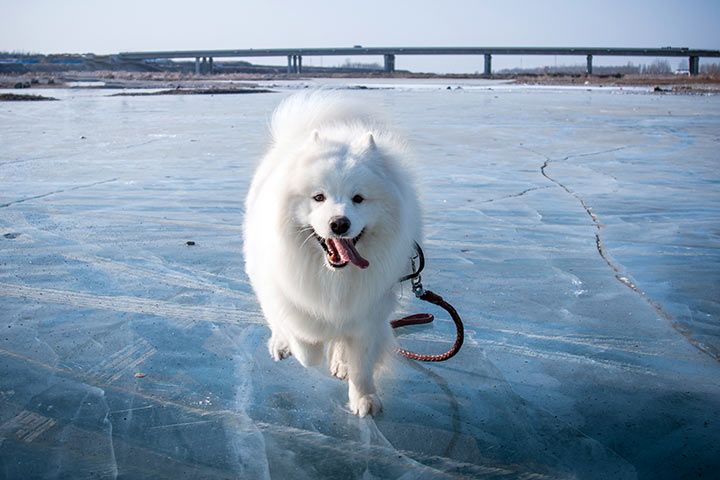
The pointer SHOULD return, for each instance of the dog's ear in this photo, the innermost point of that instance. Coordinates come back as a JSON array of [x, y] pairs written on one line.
[[367, 142]]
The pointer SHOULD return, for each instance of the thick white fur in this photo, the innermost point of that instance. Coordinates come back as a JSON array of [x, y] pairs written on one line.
[[322, 143]]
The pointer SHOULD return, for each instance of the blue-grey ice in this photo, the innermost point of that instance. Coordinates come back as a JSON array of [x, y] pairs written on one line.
[[577, 232]]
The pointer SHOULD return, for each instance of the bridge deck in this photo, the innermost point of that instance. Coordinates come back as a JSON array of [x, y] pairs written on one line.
[[282, 52]]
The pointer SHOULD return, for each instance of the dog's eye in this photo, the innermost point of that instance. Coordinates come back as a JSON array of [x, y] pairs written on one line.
[[319, 197], [358, 199]]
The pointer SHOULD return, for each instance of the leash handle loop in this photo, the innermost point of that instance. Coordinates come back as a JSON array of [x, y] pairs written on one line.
[[420, 318]]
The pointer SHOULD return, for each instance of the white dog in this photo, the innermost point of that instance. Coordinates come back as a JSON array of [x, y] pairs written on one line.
[[330, 221]]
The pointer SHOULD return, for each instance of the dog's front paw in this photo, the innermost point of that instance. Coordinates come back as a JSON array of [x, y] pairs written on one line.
[[366, 405], [279, 348], [339, 369]]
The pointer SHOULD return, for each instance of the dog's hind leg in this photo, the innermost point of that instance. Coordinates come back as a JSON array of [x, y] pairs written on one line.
[[308, 354], [278, 346], [286, 322], [281, 346], [338, 363]]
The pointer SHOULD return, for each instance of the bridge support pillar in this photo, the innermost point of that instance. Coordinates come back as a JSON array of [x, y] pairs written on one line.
[[203, 66], [289, 70], [389, 62], [588, 70], [197, 65], [299, 69], [694, 65], [210, 65], [488, 65], [294, 63]]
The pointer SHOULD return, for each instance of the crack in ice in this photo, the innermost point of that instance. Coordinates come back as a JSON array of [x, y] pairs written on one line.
[[55, 192], [515, 195], [602, 251]]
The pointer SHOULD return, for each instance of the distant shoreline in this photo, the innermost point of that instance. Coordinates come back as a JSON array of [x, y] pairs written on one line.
[[683, 84]]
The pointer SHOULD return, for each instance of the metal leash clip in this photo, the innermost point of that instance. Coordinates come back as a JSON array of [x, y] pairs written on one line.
[[417, 287], [416, 281]]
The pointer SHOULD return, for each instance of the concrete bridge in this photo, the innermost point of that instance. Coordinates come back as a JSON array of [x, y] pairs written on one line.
[[204, 58]]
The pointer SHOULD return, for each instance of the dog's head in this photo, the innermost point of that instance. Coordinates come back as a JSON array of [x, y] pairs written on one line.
[[345, 197]]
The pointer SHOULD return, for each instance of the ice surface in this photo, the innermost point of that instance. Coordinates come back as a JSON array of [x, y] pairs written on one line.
[[575, 365]]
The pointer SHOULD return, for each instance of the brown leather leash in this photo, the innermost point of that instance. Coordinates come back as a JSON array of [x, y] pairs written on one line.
[[422, 318]]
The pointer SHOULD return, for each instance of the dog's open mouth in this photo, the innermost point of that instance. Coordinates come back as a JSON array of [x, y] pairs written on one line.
[[341, 251]]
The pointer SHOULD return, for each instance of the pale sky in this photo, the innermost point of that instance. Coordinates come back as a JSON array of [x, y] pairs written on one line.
[[81, 26]]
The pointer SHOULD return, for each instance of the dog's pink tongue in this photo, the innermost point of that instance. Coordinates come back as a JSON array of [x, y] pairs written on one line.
[[347, 252]]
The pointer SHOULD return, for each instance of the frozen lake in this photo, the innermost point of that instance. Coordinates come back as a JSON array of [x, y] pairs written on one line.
[[576, 231]]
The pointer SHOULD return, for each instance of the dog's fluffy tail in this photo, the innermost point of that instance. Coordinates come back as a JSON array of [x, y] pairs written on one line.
[[298, 115]]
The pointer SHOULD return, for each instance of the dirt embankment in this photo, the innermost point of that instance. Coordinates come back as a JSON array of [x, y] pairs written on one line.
[[14, 97], [665, 83], [195, 91]]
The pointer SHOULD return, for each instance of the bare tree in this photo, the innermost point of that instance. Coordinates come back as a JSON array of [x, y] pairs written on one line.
[[658, 67], [361, 66], [710, 68]]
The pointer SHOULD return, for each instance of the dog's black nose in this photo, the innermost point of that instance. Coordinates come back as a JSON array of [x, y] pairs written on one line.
[[339, 225]]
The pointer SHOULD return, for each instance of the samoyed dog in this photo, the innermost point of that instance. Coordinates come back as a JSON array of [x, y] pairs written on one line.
[[330, 224]]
